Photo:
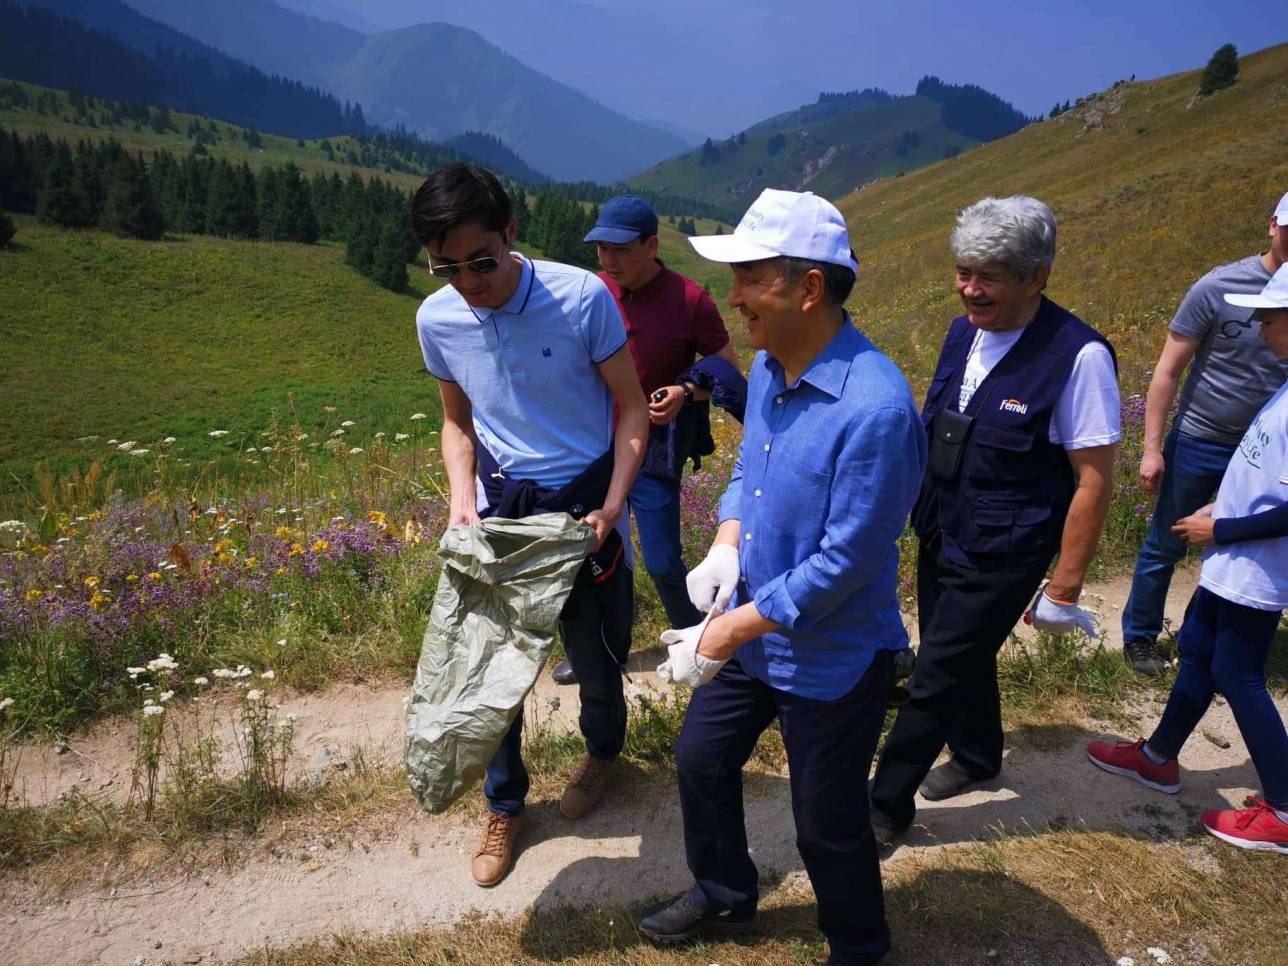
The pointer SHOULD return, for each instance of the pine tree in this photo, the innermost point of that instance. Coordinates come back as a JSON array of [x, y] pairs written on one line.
[[1221, 71], [128, 207], [389, 262], [7, 229], [60, 200]]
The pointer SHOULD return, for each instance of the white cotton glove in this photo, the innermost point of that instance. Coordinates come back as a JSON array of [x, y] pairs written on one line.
[[711, 583], [1049, 615], [683, 664]]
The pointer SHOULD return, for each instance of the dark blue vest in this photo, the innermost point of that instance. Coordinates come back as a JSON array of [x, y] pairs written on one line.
[[1007, 503]]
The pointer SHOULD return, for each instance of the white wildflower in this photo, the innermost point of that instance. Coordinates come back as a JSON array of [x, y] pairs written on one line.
[[166, 696], [140, 452], [148, 703], [251, 449], [338, 432], [254, 694], [281, 642], [400, 437], [13, 526], [169, 439], [418, 416], [127, 445], [201, 682], [380, 435], [223, 672], [243, 671], [304, 436], [1159, 955], [153, 710], [163, 662], [355, 451], [347, 423], [135, 671], [328, 409], [1126, 961], [216, 433], [112, 442], [6, 703], [268, 675]]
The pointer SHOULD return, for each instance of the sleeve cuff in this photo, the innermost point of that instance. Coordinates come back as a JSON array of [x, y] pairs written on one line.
[[775, 604]]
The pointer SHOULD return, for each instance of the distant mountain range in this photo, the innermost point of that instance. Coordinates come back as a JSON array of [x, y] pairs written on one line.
[[434, 79], [837, 144], [103, 47]]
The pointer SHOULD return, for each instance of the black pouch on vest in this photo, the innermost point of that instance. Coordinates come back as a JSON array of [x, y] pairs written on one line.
[[948, 435]]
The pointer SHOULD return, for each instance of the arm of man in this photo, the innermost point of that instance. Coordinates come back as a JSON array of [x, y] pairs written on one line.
[[459, 454], [1178, 351], [618, 371], [710, 337], [1093, 469], [873, 488]]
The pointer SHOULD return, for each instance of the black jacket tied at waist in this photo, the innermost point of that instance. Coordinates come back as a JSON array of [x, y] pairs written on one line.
[[688, 436]]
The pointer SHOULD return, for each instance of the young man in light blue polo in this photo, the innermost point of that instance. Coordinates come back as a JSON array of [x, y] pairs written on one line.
[[531, 361], [830, 463]]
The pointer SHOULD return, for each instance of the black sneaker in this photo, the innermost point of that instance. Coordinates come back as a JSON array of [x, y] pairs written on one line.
[[948, 780], [885, 832], [1143, 657], [680, 919], [563, 673]]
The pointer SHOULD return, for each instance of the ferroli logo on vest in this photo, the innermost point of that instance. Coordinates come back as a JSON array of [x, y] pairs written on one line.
[[1014, 406]]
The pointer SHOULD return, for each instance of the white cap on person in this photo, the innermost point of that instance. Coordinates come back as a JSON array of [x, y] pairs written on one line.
[[1273, 296], [1281, 212], [797, 224]]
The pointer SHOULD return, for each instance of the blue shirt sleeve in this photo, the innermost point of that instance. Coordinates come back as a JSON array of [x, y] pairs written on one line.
[[877, 478], [1266, 525], [731, 502], [434, 361], [602, 328]]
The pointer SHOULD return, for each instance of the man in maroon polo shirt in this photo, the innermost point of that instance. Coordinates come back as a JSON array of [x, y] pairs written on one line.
[[670, 322]]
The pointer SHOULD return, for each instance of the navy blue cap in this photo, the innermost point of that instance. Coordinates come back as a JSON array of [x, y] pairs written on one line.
[[623, 219]]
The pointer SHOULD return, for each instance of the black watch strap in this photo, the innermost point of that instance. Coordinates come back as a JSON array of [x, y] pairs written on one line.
[[688, 392]]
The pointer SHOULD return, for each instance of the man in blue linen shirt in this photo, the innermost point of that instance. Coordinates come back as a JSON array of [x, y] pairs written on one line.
[[830, 463]]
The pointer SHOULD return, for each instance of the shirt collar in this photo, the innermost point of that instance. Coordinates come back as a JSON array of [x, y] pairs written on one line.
[[829, 369], [647, 290], [517, 302]]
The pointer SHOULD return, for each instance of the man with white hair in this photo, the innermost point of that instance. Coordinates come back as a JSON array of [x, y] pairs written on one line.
[[831, 460], [1023, 420]]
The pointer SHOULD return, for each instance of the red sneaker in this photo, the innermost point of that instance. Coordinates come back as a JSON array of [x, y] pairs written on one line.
[[1257, 827], [1128, 758]]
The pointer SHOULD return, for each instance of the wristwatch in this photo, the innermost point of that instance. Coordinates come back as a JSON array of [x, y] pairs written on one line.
[[688, 392]]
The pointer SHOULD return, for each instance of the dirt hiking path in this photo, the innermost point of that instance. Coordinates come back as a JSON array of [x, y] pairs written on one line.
[[410, 870]]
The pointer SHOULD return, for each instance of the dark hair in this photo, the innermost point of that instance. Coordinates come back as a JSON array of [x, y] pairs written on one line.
[[455, 194], [838, 280]]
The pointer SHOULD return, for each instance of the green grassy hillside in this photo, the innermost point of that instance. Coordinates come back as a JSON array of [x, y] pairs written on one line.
[[1150, 187], [120, 339], [831, 155], [309, 156]]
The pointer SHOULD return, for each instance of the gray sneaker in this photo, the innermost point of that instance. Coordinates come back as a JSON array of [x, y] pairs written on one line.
[[1143, 657], [680, 919]]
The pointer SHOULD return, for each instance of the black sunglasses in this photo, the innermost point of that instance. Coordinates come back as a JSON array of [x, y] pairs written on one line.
[[485, 265]]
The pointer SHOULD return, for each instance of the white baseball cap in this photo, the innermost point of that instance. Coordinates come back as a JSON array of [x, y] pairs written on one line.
[[1281, 211], [1273, 296], [798, 224]]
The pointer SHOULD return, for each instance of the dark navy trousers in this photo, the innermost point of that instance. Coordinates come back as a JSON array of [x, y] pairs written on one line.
[[829, 745]]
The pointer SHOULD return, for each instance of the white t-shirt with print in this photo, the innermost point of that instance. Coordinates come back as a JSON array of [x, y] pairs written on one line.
[[1254, 573], [1088, 411]]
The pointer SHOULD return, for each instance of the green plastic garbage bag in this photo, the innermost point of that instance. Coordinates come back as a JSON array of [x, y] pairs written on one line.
[[491, 627]]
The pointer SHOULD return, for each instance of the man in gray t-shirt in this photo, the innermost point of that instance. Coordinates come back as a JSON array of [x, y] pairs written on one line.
[[1232, 374]]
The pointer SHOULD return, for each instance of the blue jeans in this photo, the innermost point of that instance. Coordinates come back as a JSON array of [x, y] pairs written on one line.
[[1192, 473], [655, 502], [596, 629], [829, 745], [1224, 646]]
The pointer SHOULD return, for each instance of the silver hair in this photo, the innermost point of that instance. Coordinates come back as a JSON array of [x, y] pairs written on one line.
[[1018, 231]]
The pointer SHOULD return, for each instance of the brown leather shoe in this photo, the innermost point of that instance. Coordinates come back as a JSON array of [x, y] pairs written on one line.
[[491, 859], [586, 787]]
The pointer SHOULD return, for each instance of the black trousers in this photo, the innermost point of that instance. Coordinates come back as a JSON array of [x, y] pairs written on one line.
[[829, 745], [965, 616]]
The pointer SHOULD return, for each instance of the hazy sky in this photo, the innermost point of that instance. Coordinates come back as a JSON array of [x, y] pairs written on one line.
[[717, 66]]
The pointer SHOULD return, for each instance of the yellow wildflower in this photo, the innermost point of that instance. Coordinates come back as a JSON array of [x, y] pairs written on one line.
[[99, 600], [297, 550], [223, 546], [279, 571], [285, 533], [91, 581], [252, 563], [33, 594], [154, 575], [413, 532], [131, 578], [378, 518], [320, 546]]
